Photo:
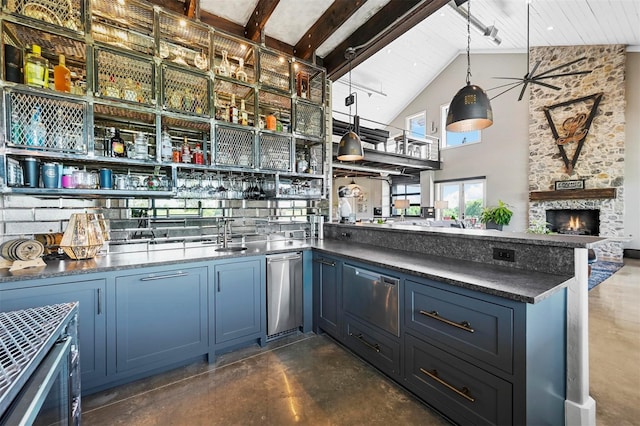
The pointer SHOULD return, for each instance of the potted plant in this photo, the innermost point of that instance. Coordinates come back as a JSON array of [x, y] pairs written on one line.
[[495, 217]]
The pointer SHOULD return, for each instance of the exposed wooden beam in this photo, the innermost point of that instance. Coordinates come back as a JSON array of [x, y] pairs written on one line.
[[191, 8], [336, 15], [172, 5], [393, 20], [259, 18]]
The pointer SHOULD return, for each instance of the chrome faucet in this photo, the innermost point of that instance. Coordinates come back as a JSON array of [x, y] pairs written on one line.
[[226, 232]]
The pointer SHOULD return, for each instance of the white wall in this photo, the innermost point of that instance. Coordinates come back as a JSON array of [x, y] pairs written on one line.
[[632, 152], [503, 154]]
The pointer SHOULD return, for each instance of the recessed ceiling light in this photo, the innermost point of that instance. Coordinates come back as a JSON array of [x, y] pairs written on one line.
[[388, 50], [550, 28], [415, 64]]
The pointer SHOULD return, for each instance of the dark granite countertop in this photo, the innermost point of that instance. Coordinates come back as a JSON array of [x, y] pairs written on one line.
[[137, 259], [510, 283]]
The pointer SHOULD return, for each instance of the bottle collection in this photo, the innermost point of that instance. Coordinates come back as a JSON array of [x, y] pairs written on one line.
[[35, 71]]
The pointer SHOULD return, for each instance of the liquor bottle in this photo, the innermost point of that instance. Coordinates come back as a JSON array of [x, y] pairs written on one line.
[[36, 68], [225, 67], [129, 92], [62, 76], [198, 155], [233, 110], [118, 147], [166, 148], [186, 151], [36, 134], [240, 72], [244, 117]]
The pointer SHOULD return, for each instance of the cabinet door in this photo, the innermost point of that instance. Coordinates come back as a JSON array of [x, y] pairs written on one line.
[[91, 318], [238, 300], [161, 318], [326, 277]]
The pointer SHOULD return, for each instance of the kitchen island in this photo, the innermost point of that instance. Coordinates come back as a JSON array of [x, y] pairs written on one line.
[[455, 266]]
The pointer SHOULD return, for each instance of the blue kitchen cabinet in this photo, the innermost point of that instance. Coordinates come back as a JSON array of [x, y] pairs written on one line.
[[327, 279], [91, 317], [161, 318], [240, 301]]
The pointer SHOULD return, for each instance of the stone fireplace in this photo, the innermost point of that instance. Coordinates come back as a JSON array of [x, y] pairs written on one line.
[[574, 221], [600, 164]]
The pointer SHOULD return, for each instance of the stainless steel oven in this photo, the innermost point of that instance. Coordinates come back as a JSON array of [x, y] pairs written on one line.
[[39, 366]]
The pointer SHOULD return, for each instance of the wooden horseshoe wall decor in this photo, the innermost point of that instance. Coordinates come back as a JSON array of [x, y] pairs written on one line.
[[574, 129]]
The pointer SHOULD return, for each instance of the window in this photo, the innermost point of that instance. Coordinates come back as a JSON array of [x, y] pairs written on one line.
[[466, 196], [405, 191], [417, 125], [453, 139]]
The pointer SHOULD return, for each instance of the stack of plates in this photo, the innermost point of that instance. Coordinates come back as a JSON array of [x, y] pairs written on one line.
[[21, 249]]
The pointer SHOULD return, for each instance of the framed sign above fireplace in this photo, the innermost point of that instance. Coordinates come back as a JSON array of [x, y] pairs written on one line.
[[561, 185]]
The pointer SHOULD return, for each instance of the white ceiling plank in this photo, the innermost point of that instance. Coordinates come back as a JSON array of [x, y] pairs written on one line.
[[292, 18], [237, 11]]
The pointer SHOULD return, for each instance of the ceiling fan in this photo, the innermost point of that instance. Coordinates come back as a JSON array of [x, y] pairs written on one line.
[[532, 78]]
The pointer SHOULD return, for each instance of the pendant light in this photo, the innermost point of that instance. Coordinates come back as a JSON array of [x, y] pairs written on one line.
[[350, 147], [470, 108]]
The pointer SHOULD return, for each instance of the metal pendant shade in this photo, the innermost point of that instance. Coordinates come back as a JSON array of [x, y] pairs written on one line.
[[470, 108], [350, 148]]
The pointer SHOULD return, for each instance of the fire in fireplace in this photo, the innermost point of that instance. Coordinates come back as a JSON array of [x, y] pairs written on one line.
[[574, 221]]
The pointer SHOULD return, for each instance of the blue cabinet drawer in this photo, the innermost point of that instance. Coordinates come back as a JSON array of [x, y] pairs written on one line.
[[481, 330], [461, 391], [381, 351]]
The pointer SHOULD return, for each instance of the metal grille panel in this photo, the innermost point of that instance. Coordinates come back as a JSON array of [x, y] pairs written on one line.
[[316, 78], [41, 122], [115, 36], [234, 147], [274, 71], [127, 114], [308, 119], [129, 15], [185, 32], [65, 13], [73, 50], [118, 71], [236, 49], [22, 335], [275, 152], [185, 91]]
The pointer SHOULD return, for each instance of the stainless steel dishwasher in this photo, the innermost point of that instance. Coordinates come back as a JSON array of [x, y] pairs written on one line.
[[284, 294]]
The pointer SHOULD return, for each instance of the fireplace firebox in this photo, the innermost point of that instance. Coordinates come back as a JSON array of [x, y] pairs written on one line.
[[574, 221]]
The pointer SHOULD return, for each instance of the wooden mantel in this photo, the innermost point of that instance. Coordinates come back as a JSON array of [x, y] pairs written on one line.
[[573, 194]]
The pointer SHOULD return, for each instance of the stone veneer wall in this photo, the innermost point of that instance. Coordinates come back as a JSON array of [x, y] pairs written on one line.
[[601, 162]]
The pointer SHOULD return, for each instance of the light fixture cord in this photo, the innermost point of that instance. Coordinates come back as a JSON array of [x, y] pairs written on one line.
[[350, 58], [469, 42]]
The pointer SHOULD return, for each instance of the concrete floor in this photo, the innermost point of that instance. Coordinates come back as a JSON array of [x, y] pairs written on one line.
[[311, 380]]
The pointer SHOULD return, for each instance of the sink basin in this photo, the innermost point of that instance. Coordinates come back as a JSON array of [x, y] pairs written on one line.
[[236, 248]]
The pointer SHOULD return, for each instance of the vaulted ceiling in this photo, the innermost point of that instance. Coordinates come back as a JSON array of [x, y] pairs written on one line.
[[405, 44]]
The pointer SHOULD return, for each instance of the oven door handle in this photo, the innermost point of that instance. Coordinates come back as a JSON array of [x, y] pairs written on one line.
[[34, 395]]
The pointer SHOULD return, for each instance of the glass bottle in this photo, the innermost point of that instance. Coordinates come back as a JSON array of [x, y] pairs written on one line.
[[36, 131], [244, 117], [225, 67], [240, 73], [111, 89], [233, 110], [186, 151], [166, 149], [198, 155], [17, 128], [62, 76], [108, 134], [36, 68], [118, 148], [141, 147], [129, 92]]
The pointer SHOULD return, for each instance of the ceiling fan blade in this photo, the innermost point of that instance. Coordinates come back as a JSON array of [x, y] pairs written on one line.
[[513, 86], [559, 67], [533, 71], [524, 87], [511, 78], [505, 85], [545, 84], [563, 75]]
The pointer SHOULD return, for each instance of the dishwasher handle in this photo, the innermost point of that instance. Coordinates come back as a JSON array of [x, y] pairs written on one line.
[[284, 258]]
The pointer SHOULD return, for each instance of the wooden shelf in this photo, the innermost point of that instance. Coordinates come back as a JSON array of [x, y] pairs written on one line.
[[573, 194]]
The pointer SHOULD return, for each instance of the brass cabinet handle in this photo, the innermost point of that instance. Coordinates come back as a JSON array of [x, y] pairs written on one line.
[[464, 325], [464, 392], [361, 338], [162, 277], [325, 262]]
